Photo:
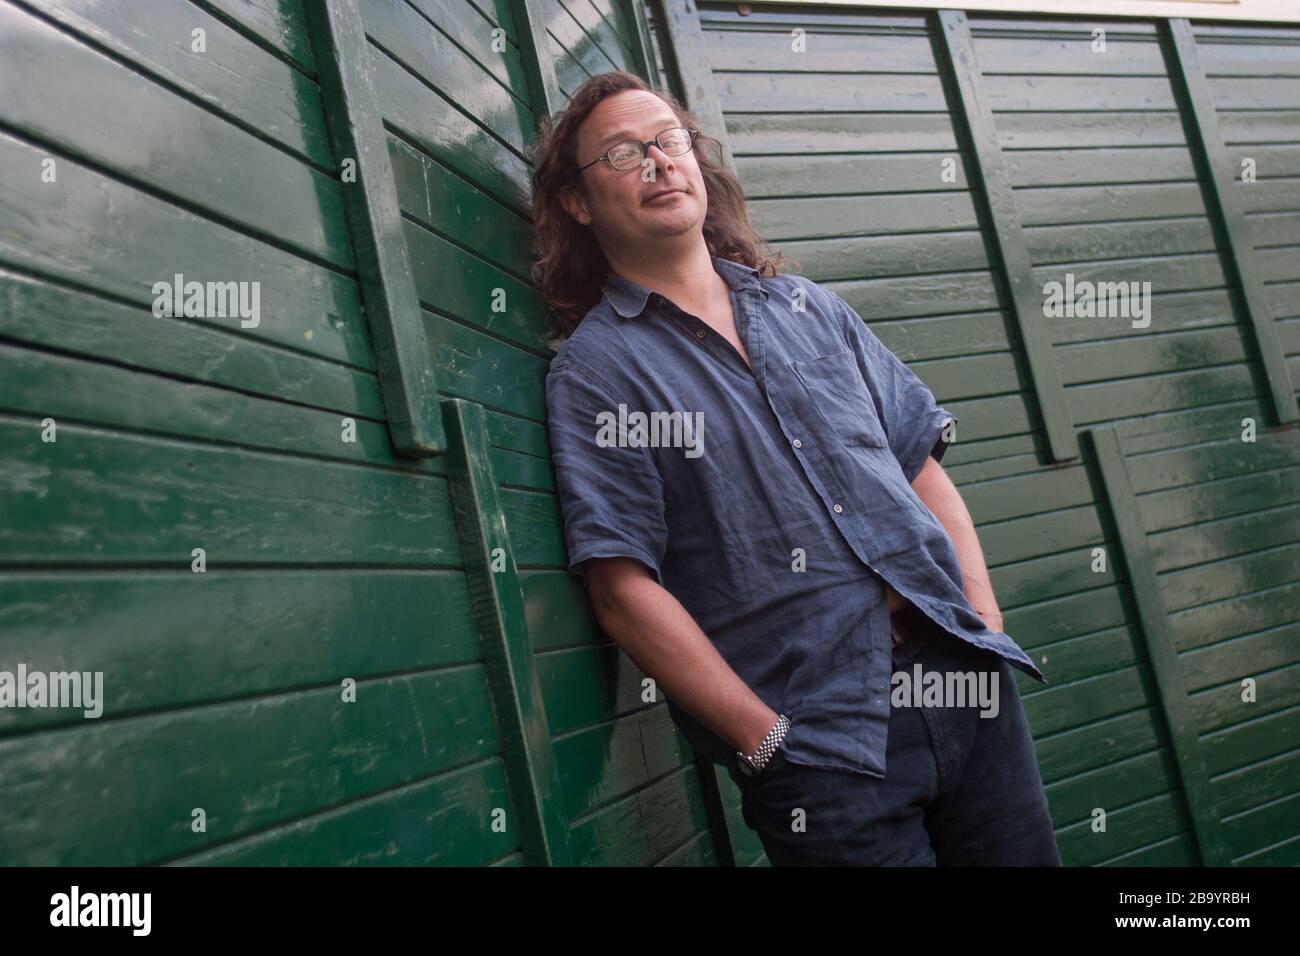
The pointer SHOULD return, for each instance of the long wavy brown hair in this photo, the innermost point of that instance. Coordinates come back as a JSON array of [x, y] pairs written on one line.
[[569, 266]]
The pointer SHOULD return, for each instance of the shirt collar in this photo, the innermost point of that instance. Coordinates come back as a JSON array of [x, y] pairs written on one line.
[[629, 298]]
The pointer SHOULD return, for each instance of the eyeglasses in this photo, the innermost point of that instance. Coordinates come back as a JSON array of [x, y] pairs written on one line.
[[629, 153]]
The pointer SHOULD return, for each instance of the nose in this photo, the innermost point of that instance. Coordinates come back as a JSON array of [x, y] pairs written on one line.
[[666, 161]]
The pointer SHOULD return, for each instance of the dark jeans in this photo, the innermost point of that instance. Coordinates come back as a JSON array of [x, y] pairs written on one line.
[[959, 789]]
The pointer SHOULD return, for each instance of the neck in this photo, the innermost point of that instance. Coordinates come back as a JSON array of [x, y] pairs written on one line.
[[684, 275]]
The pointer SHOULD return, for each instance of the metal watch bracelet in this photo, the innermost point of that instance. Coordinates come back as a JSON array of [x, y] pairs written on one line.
[[754, 763]]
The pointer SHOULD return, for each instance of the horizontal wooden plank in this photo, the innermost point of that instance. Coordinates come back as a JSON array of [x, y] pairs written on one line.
[[1063, 204], [472, 30], [235, 76], [558, 610], [822, 93], [536, 532], [437, 198], [585, 37], [1066, 129], [1097, 745], [450, 280], [1046, 491], [1130, 831], [1194, 309], [1130, 356], [1151, 396], [57, 230], [520, 471], [411, 40], [515, 434], [1120, 784], [1116, 240], [837, 175], [1231, 92], [1279, 265], [1095, 166], [618, 835], [248, 764], [475, 366], [1227, 658], [1274, 228], [1018, 93], [214, 166], [1021, 27], [278, 23], [1274, 525], [1248, 59], [1213, 461], [1249, 742], [41, 313], [1206, 600], [871, 257], [1220, 707], [1166, 274], [809, 133], [166, 641], [780, 220], [70, 390], [714, 16], [601, 764], [96, 498], [394, 828], [1272, 485], [1257, 785], [762, 50], [1284, 303], [934, 294], [1075, 55], [434, 125], [1062, 707], [587, 685], [1260, 126]]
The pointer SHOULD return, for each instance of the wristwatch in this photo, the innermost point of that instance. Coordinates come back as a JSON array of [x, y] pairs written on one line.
[[751, 765]]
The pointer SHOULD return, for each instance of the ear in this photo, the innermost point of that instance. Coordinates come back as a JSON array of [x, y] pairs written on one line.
[[575, 205]]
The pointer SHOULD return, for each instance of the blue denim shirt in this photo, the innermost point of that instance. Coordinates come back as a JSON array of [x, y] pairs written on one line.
[[775, 522]]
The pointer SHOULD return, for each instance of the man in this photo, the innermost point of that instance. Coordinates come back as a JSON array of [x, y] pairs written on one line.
[[750, 484]]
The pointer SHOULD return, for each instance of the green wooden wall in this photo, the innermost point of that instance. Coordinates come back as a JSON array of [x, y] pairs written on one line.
[[367, 472]]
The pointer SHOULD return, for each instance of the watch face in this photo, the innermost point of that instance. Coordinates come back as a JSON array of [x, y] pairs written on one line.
[[746, 767]]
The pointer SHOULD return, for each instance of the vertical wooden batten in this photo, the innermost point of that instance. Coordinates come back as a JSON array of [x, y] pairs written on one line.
[[1154, 626], [1212, 155], [406, 376], [973, 112], [643, 60], [503, 631], [687, 62], [544, 93]]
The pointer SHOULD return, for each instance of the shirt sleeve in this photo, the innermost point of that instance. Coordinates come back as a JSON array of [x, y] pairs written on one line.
[[914, 422], [611, 494]]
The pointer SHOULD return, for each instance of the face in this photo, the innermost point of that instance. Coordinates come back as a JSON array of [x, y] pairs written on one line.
[[620, 205]]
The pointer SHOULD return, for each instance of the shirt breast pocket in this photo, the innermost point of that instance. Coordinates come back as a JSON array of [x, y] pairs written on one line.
[[837, 391]]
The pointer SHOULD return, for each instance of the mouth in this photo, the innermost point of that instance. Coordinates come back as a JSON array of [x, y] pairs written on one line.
[[663, 193]]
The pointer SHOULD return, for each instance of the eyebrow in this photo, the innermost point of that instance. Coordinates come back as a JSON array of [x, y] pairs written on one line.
[[631, 134]]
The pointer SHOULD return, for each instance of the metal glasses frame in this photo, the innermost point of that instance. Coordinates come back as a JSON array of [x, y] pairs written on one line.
[[645, 149]]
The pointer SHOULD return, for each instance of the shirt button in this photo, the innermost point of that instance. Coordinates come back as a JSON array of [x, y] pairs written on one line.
[[701, 333], [838, 509], [798, 443]]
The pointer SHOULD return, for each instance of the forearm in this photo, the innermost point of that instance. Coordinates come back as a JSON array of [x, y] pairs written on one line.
[[662, 638], [935, 488]]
